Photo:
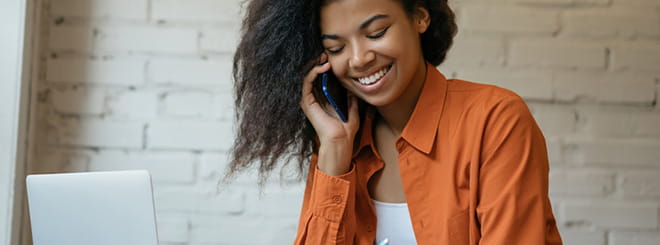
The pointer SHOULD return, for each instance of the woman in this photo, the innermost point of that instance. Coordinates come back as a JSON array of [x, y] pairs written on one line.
[[421, 159]]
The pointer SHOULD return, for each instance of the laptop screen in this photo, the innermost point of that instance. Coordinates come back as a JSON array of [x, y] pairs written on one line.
[[92, 208]]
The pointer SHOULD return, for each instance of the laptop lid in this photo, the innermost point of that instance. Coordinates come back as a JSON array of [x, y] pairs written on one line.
[[92, 208]]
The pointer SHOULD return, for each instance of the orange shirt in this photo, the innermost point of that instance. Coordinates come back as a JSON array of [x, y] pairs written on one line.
[[474, 170]]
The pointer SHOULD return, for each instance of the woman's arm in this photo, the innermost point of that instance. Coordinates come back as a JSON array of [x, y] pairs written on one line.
[[334, 136], [514, 207], [330, 190], [327, 199]]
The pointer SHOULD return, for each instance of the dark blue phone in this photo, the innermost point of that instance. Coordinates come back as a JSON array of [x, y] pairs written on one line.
[[336, 95]]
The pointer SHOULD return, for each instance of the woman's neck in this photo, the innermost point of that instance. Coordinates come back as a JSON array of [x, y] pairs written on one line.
[[395, 115]]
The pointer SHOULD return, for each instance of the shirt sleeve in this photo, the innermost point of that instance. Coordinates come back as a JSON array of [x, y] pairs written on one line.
[[326, 201], [514, 207]]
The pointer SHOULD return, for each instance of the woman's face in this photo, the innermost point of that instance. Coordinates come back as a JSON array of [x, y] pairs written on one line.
[[374, 47]]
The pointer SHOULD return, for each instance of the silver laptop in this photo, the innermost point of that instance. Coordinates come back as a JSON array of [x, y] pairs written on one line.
[[92, 208]]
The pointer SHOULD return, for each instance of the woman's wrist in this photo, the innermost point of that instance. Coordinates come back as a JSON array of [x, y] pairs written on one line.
[[335, 158]]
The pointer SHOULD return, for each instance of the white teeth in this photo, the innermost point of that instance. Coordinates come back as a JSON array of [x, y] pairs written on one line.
[[374, 77]]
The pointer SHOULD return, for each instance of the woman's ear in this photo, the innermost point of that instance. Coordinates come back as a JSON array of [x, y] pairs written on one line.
[[422, 19]]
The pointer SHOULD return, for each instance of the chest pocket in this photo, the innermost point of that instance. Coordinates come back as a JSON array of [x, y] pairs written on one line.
[[459, 229]]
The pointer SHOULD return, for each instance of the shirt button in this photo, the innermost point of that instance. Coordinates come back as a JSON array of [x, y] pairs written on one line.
[[370, 228], [336, 198]]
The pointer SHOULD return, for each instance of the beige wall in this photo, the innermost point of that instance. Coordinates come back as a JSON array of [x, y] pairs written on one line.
[[146, 84]]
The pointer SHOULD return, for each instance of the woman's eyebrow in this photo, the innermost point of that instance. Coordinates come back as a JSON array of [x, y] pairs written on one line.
[[372, 19], [362, 26], [329, 36]]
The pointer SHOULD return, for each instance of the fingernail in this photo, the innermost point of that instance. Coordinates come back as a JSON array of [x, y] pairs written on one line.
[[323, 59]]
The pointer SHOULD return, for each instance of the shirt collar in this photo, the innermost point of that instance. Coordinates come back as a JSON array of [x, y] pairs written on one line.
[[422, 127], [365, 132]]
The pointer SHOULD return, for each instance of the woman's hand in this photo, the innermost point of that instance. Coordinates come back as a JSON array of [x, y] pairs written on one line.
[[336, 137]]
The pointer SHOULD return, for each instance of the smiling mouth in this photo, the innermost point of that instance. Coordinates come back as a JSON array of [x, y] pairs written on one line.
[[373, 78]]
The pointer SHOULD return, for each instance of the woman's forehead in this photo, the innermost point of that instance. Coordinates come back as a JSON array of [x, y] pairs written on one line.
[[351, 13], [354, 5]]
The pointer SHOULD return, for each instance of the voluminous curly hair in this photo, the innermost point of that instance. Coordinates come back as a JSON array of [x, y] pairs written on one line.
[[280, 43]]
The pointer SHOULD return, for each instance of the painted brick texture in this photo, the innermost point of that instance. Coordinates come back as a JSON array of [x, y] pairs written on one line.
[[146, 84]]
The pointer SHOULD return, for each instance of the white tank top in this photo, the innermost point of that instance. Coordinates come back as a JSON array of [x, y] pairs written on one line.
[[394, 223]]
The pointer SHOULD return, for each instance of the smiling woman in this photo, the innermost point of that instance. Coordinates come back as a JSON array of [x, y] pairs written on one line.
[[373, 45], [421, 159]]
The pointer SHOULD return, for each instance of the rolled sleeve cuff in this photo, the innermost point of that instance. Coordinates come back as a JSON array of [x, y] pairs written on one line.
[[331, 194]]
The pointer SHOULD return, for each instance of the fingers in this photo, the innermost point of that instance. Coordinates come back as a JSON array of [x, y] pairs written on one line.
[[323, 58], [353, 110], [308, 103], [311, 76], [308, 81]]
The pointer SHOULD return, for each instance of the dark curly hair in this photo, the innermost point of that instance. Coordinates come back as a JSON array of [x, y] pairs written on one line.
[[280, 43]]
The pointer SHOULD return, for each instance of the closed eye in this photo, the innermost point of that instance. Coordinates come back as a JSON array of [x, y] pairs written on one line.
[[379, 34], [334, 51]]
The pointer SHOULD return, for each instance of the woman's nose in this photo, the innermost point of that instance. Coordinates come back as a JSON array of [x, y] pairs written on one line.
[[361, 57]]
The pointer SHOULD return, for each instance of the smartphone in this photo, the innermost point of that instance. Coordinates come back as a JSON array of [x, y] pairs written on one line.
[[335, 94]]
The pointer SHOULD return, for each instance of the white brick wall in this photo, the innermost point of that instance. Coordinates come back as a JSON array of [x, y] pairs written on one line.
[[83, 101], [173, 229], [70, 38], [189, 135], [188, 103], [634, 238], [554, 54], [191, 72], [624, 215], [509, 19], [77, 70], [612, 22], [99, 133], [583, 182], [583, 237], [220, 41], [152, 39], [637, 56], [119, 9], [195, 11], [165, 167], [607, 87], [132, 104], [127, 84], [613, 152]]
